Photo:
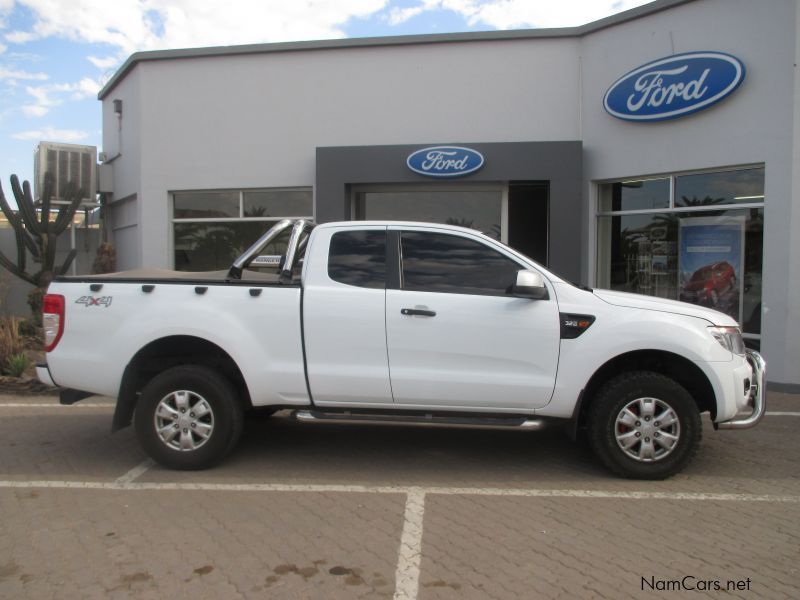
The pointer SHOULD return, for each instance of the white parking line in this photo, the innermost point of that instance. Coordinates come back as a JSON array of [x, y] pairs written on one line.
[[134, 473], [782, 414], [367, 489], [407, 574]]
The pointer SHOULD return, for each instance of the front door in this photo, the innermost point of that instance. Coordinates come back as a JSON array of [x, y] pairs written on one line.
[[455, 335]]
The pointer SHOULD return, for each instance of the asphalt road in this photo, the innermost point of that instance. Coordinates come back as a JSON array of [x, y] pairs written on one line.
[[331, 511]]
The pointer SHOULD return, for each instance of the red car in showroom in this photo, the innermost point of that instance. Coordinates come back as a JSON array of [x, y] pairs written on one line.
[[708, 283]]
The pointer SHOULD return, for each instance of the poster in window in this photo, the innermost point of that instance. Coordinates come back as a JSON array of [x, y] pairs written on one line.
[[710, 262]]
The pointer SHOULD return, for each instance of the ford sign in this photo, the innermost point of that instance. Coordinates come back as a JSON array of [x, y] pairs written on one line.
[[445, 161], [674, 87]]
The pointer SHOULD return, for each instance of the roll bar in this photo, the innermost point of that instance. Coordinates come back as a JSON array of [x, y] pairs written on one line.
[[299, 226]]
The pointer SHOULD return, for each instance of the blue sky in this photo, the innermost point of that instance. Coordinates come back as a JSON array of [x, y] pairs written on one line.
[[55, 55]]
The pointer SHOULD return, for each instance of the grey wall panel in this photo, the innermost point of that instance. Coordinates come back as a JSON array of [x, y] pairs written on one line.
[[557, 162]]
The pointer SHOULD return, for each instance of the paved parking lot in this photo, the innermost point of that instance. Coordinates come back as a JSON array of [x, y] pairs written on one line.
[[303, 511]]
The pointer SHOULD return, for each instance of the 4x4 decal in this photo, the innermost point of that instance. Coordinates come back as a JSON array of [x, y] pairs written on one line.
[[95, 301]]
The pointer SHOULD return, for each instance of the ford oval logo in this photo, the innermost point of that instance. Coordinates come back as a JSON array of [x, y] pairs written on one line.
[[445, 161], [674, 87]]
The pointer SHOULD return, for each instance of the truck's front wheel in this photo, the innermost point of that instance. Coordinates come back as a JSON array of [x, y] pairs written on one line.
[[188, 417], [644, 425]]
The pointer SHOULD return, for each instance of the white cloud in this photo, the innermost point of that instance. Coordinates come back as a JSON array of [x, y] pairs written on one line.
[[50, 95], [105, 62], [132, 25], [25, 56], [33, 110], [521, 13], [398, 16], [5, 8], [509, 14], [6, 73], [3, 48], [85, 88], [20, 37], [52, 134]]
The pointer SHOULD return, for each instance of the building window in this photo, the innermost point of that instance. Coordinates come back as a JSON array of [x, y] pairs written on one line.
[[212, 228], [695, 237]]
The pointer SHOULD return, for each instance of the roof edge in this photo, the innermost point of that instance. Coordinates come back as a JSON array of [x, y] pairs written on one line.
[[400, 40]]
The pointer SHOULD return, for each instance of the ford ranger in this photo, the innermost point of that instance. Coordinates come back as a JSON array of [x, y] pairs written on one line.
[[397, 324]]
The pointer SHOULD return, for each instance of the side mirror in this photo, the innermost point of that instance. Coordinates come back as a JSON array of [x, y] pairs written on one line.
[[530, 284]]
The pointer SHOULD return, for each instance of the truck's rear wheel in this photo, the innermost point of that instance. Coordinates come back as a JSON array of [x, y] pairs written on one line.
[[188, 417], [644, 425]]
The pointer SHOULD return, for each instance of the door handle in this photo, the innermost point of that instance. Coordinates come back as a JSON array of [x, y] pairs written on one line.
[[417, 311]]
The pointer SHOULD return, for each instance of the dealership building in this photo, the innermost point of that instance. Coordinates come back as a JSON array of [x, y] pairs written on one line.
[[656, 151]]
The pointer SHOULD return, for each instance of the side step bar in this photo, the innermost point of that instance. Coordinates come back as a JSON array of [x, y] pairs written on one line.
[[427, 420]]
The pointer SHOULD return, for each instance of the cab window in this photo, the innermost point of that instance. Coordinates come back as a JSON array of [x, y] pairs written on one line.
[[451, 264], [358, 258]]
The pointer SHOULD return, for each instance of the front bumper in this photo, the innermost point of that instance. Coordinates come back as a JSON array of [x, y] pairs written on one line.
[[757, 396]]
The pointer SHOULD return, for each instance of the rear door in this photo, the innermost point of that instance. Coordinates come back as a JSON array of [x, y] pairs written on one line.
[[344, 317], [457, 337]]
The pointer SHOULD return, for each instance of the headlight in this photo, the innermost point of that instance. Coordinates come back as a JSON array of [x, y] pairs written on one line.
[[730, 338]]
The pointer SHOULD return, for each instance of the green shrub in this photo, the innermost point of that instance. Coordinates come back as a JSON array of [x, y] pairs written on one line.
[[17, 364], [11, 342]]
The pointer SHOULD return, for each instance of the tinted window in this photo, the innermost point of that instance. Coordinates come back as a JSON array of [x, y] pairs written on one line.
[[437, 262], [635, 195], [724, 187], [358, 258]]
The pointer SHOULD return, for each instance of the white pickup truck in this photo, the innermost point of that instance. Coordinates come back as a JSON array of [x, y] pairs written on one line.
[[397, 323]]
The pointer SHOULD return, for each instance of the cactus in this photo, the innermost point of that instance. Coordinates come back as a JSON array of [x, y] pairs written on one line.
[[36, 233]]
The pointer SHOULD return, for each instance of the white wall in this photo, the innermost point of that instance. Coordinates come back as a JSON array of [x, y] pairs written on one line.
[[791, 356], [256, 120], [753, 125], [122, 145]]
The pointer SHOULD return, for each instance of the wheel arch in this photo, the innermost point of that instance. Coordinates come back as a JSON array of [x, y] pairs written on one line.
[[681, 369], [164, 353]]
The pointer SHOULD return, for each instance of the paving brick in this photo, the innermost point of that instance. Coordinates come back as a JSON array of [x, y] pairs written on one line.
[[590, 547], [198, 544], [123, 543]]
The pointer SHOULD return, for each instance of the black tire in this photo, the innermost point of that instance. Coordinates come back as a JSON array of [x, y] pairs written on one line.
[[222, 418], [650, 392]]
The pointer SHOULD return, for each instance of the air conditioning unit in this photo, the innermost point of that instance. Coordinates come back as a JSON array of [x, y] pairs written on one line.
[[69, 163]]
